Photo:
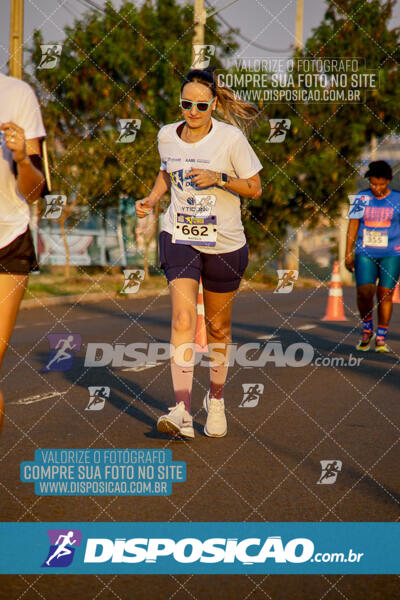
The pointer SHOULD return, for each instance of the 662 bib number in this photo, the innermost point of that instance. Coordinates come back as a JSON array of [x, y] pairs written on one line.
[[196, 231]]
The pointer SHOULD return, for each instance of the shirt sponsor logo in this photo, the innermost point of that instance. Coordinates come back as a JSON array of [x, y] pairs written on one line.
[[358, 202], [378, 216], [181, 179]]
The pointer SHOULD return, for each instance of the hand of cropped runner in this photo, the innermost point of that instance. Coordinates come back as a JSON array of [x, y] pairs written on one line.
[[349, 262], [14, 138]]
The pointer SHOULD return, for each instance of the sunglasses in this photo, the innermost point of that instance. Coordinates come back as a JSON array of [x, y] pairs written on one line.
[[201, 106]]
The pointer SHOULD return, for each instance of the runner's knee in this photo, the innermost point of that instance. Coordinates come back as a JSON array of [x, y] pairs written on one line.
[[385, 294], [219, 328], [366, 292], [183, 320]]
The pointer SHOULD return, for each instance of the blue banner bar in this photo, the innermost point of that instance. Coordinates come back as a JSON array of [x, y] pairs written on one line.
[[208, 548]]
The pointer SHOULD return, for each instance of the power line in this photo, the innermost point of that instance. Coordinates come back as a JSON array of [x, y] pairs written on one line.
[[69, 10], [217, 10], [91, 4], [94, 5], [275, 50]]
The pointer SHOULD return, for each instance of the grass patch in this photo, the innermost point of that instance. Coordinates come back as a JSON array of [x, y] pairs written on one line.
[[54, 283]]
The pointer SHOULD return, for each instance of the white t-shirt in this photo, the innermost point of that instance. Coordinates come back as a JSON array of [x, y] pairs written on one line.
[[18, 103], [224, 149]]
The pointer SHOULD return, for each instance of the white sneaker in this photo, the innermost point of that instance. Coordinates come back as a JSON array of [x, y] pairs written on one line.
[[216, 421], [177, 423]]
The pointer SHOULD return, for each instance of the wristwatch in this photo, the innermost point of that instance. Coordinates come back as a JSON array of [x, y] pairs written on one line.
[[223, 179]]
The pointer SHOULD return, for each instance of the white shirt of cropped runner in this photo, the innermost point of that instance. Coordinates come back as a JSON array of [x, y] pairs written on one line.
[[18, 103], [224, 149]]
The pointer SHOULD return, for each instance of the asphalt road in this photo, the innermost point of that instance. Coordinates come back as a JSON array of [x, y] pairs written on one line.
[[267, 467]]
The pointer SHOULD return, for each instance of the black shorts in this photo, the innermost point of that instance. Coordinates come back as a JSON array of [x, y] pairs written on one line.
[[218, 272], [19, 257]]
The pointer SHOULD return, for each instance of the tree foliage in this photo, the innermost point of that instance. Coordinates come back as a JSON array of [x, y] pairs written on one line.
[[310, 175]]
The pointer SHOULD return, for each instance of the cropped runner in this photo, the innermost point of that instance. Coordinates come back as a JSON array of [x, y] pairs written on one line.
[[373, 251], [21, 182], [208, 164]]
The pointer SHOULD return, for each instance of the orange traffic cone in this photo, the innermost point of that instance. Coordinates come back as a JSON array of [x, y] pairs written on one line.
[[335, 307], [396, 294], [201, 332]]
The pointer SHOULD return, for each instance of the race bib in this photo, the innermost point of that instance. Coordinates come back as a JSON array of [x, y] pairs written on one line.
[[196, 231], [375, 239]]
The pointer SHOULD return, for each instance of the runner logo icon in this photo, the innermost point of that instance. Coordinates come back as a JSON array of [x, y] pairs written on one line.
[[63, 543], [286, 277], [133, 279], [62, 351], [54, 206], [204, 204], [128, 130], [98, 396], [330, 470], [251, 394], [50, 55], [202, 55], [279, 129]]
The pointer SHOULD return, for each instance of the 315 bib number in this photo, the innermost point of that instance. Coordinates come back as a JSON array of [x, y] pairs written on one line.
[[196, 231], [375, 239]]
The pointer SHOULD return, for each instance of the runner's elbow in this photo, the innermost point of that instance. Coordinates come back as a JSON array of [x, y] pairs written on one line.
[[258, 192]]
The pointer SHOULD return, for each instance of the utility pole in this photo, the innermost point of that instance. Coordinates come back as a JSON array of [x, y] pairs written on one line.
[[16, 38], [15, 69], [298, 34], [293, 237], [199, 20]]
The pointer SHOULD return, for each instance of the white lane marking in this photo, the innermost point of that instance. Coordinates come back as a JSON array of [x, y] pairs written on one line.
[[143, 367], [306, 327], [30, 325], [267, 337], [38, 398]]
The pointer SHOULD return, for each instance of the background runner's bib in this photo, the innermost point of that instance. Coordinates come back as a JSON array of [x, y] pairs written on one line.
[[224, 149], [375, 239], [379, 229]]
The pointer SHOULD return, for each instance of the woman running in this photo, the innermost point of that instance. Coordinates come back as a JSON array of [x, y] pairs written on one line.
[[374, 236], [208, 164], [21, 181]]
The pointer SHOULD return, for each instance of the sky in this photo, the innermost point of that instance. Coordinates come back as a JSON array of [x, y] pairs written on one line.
[[270, 23]]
